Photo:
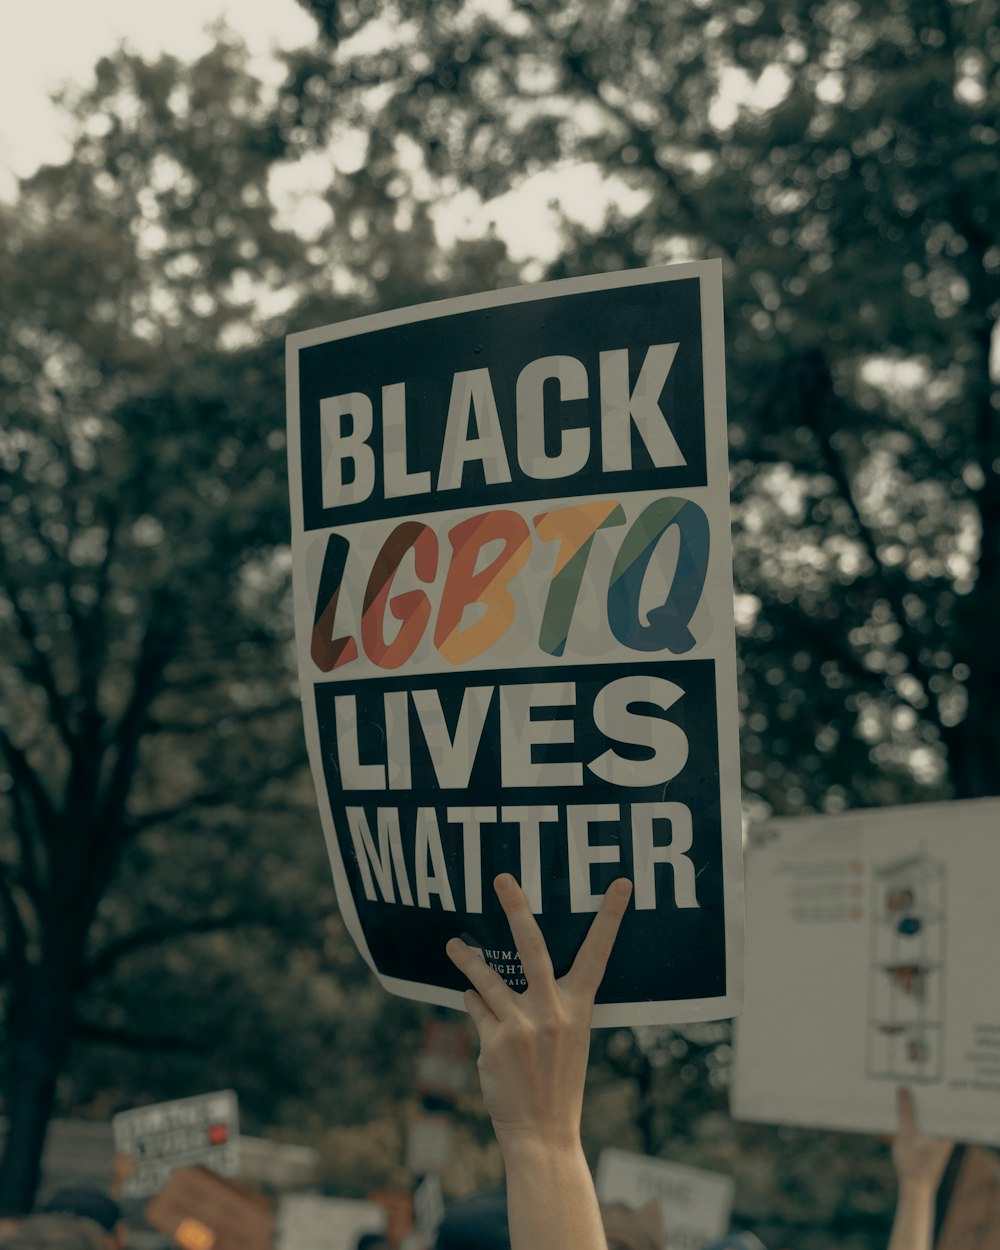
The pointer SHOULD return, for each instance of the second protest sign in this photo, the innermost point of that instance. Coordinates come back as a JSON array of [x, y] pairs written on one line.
[[513, 601]]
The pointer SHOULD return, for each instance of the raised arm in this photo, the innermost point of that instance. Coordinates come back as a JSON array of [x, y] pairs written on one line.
[[533, 1057], [919, 1162]]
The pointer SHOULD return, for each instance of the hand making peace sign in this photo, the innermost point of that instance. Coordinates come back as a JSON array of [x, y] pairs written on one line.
[[534, 1046]]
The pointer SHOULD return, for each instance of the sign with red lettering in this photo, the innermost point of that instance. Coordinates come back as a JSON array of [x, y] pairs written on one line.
[[203, 1129], [513, 601]]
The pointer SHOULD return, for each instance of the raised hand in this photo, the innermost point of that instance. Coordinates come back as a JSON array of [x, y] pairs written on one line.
[[533, 1064], [534, 1046], [919, 1161]]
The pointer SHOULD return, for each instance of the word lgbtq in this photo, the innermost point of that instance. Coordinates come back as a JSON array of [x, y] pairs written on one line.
[[570, 529], [473, 430]]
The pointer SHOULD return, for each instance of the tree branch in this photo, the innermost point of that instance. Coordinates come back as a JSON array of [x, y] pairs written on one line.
[[27, 781], [89, 1032], [210, 798], [239, 715], [832, 642], [640, 137], [94, 635], [154, 655], [820, 406], [150, 935], [42, 669], [17, 937]]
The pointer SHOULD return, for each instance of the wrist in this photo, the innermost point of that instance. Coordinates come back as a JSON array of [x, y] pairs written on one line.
[[536, 1145], [917, 1188]]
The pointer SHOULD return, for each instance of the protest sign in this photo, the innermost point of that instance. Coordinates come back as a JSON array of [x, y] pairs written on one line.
[[872, 939], [513, 602], [694, 1204], [312, 1222], [972, 1221], [428, 1207], [201, 1211], [167, 1135]]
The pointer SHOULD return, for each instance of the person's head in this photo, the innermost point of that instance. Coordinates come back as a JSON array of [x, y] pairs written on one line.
[[476, 1223], [91, 1203], [372, 1241], [57, 1232]]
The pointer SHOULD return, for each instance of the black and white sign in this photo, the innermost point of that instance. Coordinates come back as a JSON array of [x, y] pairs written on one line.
[[168, 1135], [694, 1204], [513, 599], [873, 940]]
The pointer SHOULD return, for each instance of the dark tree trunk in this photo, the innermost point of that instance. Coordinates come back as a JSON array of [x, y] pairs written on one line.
[[976, 751], [39, 1032]]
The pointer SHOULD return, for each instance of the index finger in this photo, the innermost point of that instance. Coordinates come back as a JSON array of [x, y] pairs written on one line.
[[588, 968], [907, 1111]]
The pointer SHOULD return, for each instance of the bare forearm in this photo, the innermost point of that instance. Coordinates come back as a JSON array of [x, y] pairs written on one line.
[[550, 1198], [913, 1225]]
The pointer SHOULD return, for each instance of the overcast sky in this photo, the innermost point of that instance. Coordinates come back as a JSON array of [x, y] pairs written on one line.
[[52, 41]]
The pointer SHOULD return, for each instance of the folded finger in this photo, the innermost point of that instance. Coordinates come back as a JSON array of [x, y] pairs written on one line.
[[534, 954], [479, 1013], [591, 961], [491, 988]]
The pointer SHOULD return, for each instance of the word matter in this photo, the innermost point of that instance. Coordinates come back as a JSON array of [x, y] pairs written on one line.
[[430, 838]]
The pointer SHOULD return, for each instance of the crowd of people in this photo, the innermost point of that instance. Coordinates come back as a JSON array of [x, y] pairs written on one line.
[[534, 1049]]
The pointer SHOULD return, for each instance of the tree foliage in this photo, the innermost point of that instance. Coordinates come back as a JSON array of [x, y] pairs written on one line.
[[140, 527], [162, 879], [850, 192], [851, 197], [165, 905]]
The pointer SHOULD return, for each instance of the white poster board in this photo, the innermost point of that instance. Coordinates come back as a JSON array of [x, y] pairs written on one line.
[[514, 622], [695, 1204], [873, 943], [428, 1207], [203, 1129], [313, 1222]]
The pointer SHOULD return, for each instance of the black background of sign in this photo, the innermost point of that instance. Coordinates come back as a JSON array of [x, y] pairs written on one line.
[[426, 354], [662, 954]]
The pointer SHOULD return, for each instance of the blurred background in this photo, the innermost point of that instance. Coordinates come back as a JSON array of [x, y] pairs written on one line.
[[168, 924]]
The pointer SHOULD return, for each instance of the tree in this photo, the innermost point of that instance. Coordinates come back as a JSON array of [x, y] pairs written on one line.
[[153, 777], [850, 194], [150, 702], [141, 500]]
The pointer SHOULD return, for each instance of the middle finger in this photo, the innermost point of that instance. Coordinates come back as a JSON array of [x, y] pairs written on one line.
[[534, 954]]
